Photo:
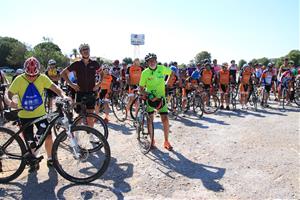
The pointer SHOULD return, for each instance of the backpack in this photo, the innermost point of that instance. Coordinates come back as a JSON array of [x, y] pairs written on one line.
[[31, 98]]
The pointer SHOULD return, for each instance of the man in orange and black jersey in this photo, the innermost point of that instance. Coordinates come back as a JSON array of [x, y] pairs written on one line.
[[206, 76], [133, 76], [191, 83], [245, 76], [223, 78]]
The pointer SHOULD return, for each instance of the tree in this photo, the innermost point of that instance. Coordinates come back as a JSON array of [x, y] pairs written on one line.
[[264, 61], [75, 53], [201, 56], [241, 63], [128, 61], [294, 55], [48, 50], [12, 52]]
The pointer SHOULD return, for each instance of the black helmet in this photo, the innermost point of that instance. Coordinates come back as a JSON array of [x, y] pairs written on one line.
[[149, 56]]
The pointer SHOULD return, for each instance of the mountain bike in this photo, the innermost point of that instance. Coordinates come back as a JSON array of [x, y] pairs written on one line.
[[74, 157]]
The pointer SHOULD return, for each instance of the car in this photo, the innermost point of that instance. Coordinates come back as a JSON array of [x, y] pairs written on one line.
[[7, 70]]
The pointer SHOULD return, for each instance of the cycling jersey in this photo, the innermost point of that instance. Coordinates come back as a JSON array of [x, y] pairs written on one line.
[[85, 74], [106, 82], [224, 77], [233, 67], [134, 73], [267, 77], [154, 80], [19, 87], [206, 76], [245, 76]]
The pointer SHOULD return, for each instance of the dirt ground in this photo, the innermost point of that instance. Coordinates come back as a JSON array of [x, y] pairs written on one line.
[[228, 155]]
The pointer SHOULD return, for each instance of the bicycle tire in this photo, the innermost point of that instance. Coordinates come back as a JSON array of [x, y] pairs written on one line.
[[210, 108], [197, 105], [119, 108], [132, 109], [143, 137], [62, 162], [297, 97], [17, 141], [99, 121]]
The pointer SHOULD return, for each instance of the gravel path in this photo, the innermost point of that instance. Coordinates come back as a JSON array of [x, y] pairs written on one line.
[[228, 155]]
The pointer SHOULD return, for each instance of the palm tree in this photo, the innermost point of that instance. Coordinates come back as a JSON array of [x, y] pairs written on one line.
[[75, 52]]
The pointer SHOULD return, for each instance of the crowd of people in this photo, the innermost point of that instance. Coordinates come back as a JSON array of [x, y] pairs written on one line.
[[88, 79]]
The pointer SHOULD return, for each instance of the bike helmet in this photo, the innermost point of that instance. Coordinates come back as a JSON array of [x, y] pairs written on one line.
[[245, 65], [116, 62], [174, 69], [32, 66], [270, 64], [195, 75], [19, 71], [232, 61], [51, 62], [84, 46], [150, 56]]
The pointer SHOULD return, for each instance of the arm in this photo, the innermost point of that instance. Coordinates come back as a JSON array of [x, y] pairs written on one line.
[[58, 91], [64, 75], [170, 78]]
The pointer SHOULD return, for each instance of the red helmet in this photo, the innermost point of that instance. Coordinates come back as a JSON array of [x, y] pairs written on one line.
[[32, 66]]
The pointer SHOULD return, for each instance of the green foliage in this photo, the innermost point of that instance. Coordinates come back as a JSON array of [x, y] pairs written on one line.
[[241, 63], [48, 50], [12, 52], [128, 61], [294, 55], [201, 56], [264, 61]]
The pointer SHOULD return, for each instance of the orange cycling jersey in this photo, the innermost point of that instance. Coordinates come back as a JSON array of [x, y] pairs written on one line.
[[246, 76], [224, 77], [106, 82], [135, 74], [206, 77]]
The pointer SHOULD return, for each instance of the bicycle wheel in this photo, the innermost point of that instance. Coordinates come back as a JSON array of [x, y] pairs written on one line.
[[254, 101], [89, 164], [99, 123], [119, 108], [134, 108], [197, 105], [297, 97], [12, 150], [144, 138], [210, 103]]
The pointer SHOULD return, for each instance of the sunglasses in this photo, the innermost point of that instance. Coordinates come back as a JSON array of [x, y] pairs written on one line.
[[87, 49]]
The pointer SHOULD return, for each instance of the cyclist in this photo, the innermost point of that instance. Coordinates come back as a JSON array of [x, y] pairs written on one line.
[[266, 80], [232, 70], [116, 74], [18, 72], [27, 86], [54, 76], [224, 79], [245, 76], [105, 90], [85, 71], [153, 82], [133, 76]]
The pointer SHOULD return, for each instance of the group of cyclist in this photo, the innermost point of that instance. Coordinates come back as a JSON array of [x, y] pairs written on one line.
[[85, 78]]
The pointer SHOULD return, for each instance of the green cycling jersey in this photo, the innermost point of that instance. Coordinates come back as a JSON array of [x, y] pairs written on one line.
[[154, 80]]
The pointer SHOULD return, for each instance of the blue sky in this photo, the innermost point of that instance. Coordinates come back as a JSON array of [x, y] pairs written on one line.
[[174, 29]]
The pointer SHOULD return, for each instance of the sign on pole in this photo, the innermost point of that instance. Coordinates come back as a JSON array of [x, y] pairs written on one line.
[[137, 39]]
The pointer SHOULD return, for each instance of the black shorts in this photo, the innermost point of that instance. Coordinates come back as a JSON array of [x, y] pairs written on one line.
[[50, 93], [224, 88], [102, 94], [28, 132], [89, 99], [268, 88], [206, 86]]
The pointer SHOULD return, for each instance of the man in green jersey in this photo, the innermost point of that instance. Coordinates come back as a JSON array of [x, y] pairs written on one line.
[[153, 82]]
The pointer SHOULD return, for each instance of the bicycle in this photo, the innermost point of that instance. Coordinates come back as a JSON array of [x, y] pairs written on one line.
[[83, 116], [3, 105], [71, 150], [142, 125], [119, 101]]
